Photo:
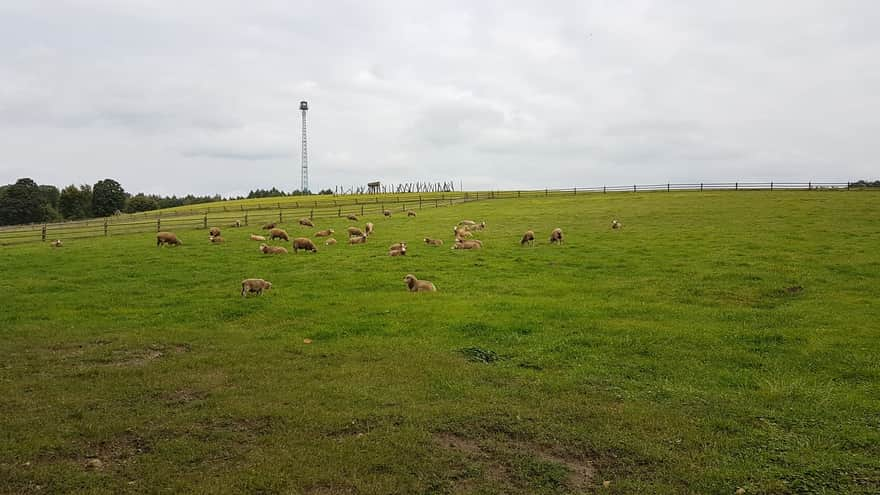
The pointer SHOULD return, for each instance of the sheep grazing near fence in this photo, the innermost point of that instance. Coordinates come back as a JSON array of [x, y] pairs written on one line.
[[163, 238], [410, 213], [304, 243], [387, 213], [352, 217], [616, 225], [556, 236], [257, 285], [266, 249], [257, 238], [236, 224], [528, 238], [358, 240], [57, 243], [306, 222], [324, 233], [416, 285], [214, 232], [461, 244], [330, 242], [433, 242], [368, 228], [355, 232], [278, 234], [269, 226]]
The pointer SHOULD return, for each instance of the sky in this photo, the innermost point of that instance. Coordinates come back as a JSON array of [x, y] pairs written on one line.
[[202, 97]]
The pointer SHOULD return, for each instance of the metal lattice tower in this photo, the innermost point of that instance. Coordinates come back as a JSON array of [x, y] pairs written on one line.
[[304, 106]]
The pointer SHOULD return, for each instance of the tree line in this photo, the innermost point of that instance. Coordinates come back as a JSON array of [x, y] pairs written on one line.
[[25, 201]]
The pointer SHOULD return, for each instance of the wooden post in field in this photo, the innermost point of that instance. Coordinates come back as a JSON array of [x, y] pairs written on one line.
[[575, 191], [106, 221], [736, 188], [338, 212], [634, 188], [245, 219], [158, 225], [312, 214], [362, 210], [205, 221], [435, 203], [44, 233], [420, 202], [701, 187], [604, 189], [771, 185], [667, 187], [280, 217], [810, 186]]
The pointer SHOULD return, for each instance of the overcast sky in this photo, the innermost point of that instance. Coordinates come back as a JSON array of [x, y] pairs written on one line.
[[203, 96]]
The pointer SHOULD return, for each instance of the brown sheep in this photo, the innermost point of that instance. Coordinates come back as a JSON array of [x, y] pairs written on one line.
[[368, 228], [330, 242], [236, 224], [358, 240], [167, 238], [556, 236], [304, 243], [528, 238], [416, 285], [257, 238], [269, 226], [57, 243], [397, 246], [461, 233], [307, 222], [278, 234], [615, 224], [257, 285], [460, 244], [410, 213], [324, 233], [214, 232], [387, 213], [352, 217], [272, 249], [433, 242], [216, 239], [398, 252], [355, 232]]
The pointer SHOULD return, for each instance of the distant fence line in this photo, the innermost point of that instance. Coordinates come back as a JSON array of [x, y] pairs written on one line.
[[291, 211]]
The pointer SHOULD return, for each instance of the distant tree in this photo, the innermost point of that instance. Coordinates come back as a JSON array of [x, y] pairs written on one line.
[[326, 191], [107, 197], [75, 202], [22, 202], [51, 195], [141, 202], [866, 183]]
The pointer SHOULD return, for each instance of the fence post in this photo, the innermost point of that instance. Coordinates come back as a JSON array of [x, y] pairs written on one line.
[[518, 194], [701, 187], [312, 214], [280, 217], [158, 225], [420, 202], [604, 189], [205, 221], [245, 219], [634, 188], [362, 210], [771, 185], [44, 233], [847, 185], [736, 187], [339, 212], [810, 186], [575, 191], [667, 187], [546, 192], [435, 203], [105, 226]]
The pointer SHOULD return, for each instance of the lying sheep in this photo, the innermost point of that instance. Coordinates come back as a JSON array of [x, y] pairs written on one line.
[[167, 238], [330, 242], [399, 245], [57, 243], [556, 236], [474, 244], [358, 240], [269, 226], [257, 238], [387, 213], [528, 237], [368, 228], [410, 213], [278, 234], [236, 224], [257, 285], [461, 233], [266, 249], [355, 232], [324, 233], [307, 222], [615, 224], [416, 285], [216, 239], [304, 243], [401, 251], [352, 217], [467, 222], [214, 232], [433, 242]]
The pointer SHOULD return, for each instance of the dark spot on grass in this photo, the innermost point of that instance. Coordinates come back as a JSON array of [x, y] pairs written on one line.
[[478, 355], [794, 289]]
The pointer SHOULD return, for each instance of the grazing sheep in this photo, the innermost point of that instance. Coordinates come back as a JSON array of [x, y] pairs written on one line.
[[556, 236], [368, 228], [307, 222], [416, 285], [330, 242], [272, 249], [167, 238], [433, 242], [214, 232], [474, 244], [57, 243], [410, 213], [615, 224], [355, 232], [216, 239], [324, 233], [278, 234], [236, 224], [387, 213], [358, 240], [352, 217], [528, 237], [257, 238], [257, 285], [269, 226], [304, 243], [397, 246], [461, 233]]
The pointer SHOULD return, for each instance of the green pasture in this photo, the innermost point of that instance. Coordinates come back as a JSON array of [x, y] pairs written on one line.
[[720, 341]]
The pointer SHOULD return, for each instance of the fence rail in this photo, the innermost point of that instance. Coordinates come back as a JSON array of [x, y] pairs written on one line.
[[340, 206]]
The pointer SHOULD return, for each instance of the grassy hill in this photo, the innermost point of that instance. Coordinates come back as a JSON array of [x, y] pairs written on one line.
[[720, 340]]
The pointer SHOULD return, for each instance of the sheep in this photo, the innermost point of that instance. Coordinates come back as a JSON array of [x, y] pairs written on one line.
[[257, 285], [358, 240], [330, 242], [615, 224], [265, 249], [410, 213], [167, 238], [461, 233], [236, 224], [257, 238], [397, 246], [304, 243], [480, 226], [556, 236], [214, 232], [352, 217], [355, 232], [528, 237], [433, 242], [216, 239], [324, 233], [467, 222], [474, 244], [278, 234], [400, 250], [269, 226], [306, 222], [368, 228], [387, 213], [57, 243], [416, 285]]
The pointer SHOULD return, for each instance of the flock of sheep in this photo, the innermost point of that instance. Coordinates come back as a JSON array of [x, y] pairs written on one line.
[[463, 233]]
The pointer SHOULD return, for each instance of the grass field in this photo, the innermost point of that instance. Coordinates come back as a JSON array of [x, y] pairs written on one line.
[[719, 341]]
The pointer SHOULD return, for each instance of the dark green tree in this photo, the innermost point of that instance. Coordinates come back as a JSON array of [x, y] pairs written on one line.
[[22, 202], [75, 202], [107, 197], [141, 202]]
